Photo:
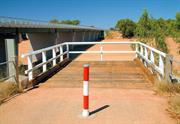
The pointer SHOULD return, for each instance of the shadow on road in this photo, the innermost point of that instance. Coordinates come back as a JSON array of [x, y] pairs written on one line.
[[99, 109]]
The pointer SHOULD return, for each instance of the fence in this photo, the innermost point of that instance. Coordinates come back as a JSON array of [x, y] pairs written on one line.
[[5, 69], [147, 54]]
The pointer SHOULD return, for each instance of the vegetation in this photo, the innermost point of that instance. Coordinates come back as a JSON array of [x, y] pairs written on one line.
[[174, 107], [7, 89], [150, 30], [127, 27], [70, 22], [167, 88], [172, 90]]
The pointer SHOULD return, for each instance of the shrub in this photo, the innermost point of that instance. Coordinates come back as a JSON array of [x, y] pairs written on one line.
[[167, 88], [174, 108], [127, 27]]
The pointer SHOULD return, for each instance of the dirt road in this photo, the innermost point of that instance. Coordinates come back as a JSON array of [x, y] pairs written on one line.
[[64, 106]]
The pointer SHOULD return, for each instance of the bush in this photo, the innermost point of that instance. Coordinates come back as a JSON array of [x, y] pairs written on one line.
[[127, 27], [174, 108], [167, 88], [7, 89]]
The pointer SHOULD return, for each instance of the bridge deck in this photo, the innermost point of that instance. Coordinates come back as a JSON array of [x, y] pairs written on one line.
[[114, 74]]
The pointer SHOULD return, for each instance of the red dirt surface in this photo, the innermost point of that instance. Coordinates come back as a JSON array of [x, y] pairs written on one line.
[[64, 106], [173, 50]]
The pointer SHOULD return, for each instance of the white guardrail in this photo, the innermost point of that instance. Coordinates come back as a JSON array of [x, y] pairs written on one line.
[[142, 50]]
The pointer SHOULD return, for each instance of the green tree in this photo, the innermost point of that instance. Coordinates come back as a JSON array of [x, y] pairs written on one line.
[[70, 22], [150, 29], [54, 21], [177, 21], [144, 26], [127, 27]]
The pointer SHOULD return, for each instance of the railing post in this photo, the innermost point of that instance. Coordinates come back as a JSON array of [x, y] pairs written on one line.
[[67, 48], [61, 52], [54, 56], [161, 65], [101, 52], [136, 50], [152, 57], [168, 68], [141, 52], [30, 66], [146, 55], [44, 60]]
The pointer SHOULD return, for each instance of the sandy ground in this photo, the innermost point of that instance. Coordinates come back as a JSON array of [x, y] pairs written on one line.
[[64, 106], [173, 50]]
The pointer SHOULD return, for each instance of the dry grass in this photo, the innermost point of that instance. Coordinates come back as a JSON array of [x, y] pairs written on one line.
[[167, 88], [173, 90], [174, 108], [7, 89]]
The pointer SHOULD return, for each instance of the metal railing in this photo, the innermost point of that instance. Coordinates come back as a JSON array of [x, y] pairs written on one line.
[[29, 23], [142, 50], [5, 76]]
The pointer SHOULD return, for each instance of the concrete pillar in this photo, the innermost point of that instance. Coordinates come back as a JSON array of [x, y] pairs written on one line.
[[83, 36], [168, 67], [73, 40], [89, 36]]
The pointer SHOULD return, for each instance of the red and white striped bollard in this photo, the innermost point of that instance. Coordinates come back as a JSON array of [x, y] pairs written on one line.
[[85, 112]]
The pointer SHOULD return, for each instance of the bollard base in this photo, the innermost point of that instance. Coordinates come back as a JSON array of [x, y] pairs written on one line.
[[85, 113]]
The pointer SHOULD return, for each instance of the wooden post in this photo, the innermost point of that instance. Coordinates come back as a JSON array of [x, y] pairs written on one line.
[[152, 57], [61, 52], [168, 68], [30, 66], [141, 51], [44, 60], [152, 60], [146, 56], [54, 56], [136, 50], [67, 48], [161, 65]]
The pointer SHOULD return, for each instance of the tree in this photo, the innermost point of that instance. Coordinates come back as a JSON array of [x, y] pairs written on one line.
[[177, 21], [144, 26], [150, 29], [127, 27], [70, 22], [54, 21]]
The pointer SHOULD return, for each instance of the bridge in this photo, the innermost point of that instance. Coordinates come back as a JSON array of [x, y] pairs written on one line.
[[122, 74]]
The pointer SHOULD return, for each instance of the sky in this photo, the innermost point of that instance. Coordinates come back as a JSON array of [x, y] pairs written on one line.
[[99, 13]]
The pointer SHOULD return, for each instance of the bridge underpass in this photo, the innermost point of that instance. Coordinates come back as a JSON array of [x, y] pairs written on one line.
[[120, 92]]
